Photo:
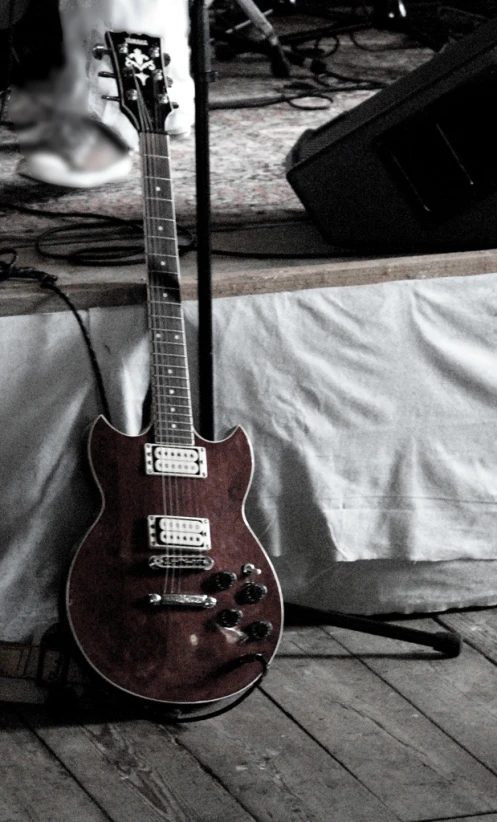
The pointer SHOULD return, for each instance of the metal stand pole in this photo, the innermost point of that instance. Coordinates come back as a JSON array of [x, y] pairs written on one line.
[[202, 75]]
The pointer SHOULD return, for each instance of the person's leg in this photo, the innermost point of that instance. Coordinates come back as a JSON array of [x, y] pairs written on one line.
[[88, 139], [84, 27]]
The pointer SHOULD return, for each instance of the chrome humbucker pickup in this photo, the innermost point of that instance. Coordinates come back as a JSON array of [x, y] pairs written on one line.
[[175, 461], [179, 532]]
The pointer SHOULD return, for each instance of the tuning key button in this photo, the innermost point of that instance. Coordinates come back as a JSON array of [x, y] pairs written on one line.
[[259, 630], [229, 618], [224, 580], [99, 51], [252, 592]]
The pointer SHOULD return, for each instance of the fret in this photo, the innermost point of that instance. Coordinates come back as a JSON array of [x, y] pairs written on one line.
[[176, 406], [173, 356], [175, 385], [178, 387], [170, 319], [164, 330], [170, 287]]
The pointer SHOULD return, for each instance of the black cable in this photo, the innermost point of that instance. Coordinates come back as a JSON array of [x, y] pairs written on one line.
[[264, 102], [105, 228], [9, 270]]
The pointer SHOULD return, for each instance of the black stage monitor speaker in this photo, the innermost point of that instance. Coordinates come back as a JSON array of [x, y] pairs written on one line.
[[415, 166]]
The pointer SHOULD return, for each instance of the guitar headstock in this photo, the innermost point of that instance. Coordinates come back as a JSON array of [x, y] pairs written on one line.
[[139, 67]]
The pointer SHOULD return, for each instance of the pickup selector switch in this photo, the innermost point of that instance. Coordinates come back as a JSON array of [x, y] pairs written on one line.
[[259, 630], [252, 592], [224, 580], [229, 618]]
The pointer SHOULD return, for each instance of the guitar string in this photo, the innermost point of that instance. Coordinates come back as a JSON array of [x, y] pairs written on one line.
[[160, 409], [160, 164], [148, 173], [188, 483], [158, 143]]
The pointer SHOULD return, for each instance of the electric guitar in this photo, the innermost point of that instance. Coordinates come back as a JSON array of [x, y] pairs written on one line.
[[170, 598]]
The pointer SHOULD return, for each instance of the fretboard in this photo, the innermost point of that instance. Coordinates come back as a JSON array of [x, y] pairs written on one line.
[[171, 399]]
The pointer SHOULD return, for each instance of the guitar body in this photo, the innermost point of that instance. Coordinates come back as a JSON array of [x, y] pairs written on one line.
[[180, 656]]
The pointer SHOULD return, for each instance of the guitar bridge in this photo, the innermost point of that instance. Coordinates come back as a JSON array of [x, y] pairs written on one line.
[[180, 562], [175, 461]]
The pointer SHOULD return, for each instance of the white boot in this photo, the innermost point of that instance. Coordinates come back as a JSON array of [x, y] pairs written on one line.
[[97, 150]]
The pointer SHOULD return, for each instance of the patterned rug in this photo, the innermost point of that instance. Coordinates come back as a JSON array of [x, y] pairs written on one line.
[[248, 146]]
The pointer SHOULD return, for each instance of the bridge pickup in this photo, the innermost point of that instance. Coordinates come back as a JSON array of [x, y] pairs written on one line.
[[179, 532], [182, 600], [175, 461], [181, 562]]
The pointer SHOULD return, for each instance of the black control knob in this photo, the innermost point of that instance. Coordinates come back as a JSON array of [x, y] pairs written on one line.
[[259, 630], [224, 580], [229, 617], [252, 592]]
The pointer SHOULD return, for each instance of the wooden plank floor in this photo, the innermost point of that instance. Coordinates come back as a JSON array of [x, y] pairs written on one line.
[[345, 727]]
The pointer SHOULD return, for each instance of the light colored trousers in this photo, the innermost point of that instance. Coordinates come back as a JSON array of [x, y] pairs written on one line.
[[84, 24]]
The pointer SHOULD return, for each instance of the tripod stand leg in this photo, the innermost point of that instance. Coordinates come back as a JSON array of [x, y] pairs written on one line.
[[447, 642]]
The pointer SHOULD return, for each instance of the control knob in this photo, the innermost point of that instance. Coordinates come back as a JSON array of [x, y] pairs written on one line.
[[252, 592], [259, 630], [224, 580], [229, 617]]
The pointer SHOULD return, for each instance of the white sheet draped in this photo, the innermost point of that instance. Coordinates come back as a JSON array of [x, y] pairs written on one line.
[[372, 413]]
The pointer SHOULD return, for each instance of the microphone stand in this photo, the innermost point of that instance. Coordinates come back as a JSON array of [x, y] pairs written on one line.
[[448, 643]]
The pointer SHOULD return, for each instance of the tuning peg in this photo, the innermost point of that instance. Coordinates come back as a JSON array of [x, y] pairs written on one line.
[[110, 97], [106, 74], [99, 51]]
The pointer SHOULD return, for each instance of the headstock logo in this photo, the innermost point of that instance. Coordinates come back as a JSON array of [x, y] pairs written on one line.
[[141, 64]]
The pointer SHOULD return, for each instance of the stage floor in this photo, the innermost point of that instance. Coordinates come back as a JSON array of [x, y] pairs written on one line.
[[345, 727]]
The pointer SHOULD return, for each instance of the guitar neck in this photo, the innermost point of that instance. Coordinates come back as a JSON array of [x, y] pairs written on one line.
[[171, 397]]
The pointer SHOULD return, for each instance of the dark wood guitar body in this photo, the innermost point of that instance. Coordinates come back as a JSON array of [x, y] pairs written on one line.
[[169, 654]]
